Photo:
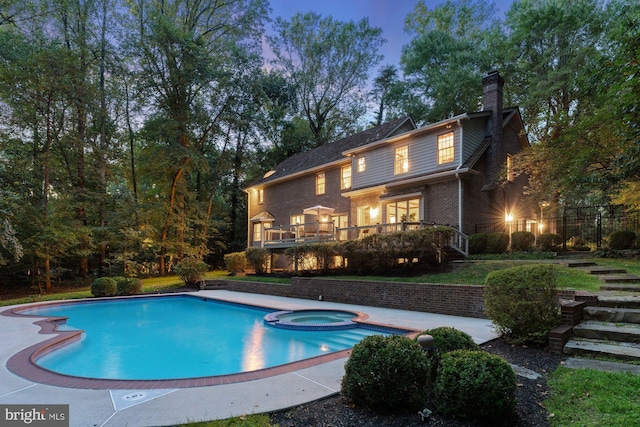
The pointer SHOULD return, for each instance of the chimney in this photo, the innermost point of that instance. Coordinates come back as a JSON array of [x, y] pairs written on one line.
[[492, 86]]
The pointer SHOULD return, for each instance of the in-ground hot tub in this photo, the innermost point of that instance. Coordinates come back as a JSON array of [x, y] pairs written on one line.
[[312, 320]]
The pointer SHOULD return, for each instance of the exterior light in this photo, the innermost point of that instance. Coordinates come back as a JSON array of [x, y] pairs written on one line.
[[426, 342], [374, 212], [508, 217]]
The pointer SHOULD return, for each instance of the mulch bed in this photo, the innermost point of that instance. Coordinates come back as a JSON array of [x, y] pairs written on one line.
[[334, 411]]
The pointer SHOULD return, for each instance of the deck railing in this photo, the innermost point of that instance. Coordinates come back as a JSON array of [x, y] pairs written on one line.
[[285, 236]]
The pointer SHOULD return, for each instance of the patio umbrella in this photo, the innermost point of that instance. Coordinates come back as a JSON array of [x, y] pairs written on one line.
[[318, 210]]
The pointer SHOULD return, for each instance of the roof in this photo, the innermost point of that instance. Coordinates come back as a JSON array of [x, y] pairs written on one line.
[[332, 152]]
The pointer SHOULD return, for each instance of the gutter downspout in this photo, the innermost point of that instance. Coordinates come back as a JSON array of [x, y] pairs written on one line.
[[460, 179]]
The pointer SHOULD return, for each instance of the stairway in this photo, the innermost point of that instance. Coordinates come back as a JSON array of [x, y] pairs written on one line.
[[612, 328]]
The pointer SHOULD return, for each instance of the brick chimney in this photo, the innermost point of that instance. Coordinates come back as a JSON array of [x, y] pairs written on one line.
[[492, 86]]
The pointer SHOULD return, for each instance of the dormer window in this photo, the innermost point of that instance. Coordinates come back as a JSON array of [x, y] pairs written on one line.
[[401, 164], [446, 151]]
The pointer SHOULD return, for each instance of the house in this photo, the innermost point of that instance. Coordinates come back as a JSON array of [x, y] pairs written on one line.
[[397, 177]]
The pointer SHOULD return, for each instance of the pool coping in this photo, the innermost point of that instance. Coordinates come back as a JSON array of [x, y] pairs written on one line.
[[23, 363]]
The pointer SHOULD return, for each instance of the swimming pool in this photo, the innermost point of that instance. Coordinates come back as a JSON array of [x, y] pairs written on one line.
[[176, 337]]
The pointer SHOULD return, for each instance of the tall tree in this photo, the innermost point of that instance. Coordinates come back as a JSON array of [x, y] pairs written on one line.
[[382, 85], [329, 62], [444, 62], [187, 51]]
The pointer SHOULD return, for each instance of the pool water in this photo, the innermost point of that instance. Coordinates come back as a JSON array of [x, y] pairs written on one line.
[[181, 337]]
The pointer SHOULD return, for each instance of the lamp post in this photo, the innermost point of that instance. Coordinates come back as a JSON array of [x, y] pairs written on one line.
[[508, 219]]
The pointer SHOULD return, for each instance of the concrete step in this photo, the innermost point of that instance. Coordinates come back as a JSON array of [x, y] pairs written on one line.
[[619, 301], [606, 270], [577, 264], [621, 278], [608, 331], [625, 287], [612, 314], [608, 349]]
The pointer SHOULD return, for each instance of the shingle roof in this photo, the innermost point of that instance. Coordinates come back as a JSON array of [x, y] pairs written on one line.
[[332, 151]]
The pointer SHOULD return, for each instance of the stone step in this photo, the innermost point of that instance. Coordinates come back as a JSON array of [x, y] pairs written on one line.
[[576, 264], [601, 365], [621, 278], [619, 301], [608, 349], [612, 314], [606, 270], [608, 331], [625, 287]]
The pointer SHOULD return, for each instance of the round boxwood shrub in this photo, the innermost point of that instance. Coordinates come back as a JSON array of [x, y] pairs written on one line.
[[522, 302], [477, 243], [475, 384], [128, 286], [104, 287], [446, 339], [622, 239], [522, 241], [549, 241], [387, 372], [190, 271], [497, 243]]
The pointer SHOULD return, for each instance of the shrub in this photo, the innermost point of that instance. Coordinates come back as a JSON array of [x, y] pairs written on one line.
[[522, 302], [258, 259], [475, 384], [497, 243], [522, 241], [623, 239], [235, 262], [477, 243], [446, 339], [190, 270], [104, 287], [549, 241], [387, 372], [128, 286]]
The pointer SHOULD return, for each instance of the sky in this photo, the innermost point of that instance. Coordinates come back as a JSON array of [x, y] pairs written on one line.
[[386, 14]]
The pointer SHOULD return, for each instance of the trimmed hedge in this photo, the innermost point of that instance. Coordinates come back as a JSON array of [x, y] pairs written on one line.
[[522, 302], [621, 240], [497, 243], [104, 287], [128, 286], [446, 339], [477, 243], [475, 385], [522, 241], [549, 241], [387, 372]]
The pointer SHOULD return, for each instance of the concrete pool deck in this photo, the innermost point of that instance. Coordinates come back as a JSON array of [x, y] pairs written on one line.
[[171, 406]]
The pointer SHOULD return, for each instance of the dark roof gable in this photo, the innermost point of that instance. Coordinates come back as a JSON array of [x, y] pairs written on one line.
[[332, 152]]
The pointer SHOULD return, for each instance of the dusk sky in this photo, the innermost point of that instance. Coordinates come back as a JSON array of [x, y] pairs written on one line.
[[386, 14]]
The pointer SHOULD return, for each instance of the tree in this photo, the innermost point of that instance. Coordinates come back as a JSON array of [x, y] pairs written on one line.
[[444, 62], [328, 61], [382, 86]]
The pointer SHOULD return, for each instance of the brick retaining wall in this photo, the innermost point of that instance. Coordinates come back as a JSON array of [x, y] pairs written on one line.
[[456, 300]]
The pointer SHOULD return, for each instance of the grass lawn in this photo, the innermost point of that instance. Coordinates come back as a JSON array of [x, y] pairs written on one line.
[[585, 397]]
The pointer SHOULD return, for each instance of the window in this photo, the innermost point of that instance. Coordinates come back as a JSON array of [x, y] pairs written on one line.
[[401, 164], [362, 165], [445, 148], [260, 196], [297, 219], [320, 183], [403, 211], [346, 177], [257, 232], [509, 167]]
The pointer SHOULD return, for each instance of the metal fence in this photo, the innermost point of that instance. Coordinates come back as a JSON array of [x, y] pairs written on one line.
[[587, 225]]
